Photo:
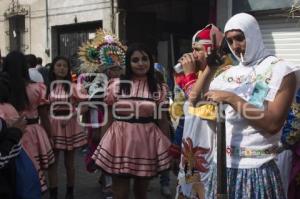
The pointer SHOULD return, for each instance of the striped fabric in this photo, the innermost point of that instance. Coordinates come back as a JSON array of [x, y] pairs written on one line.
[[257, 183], [131, 147], [4, 159]]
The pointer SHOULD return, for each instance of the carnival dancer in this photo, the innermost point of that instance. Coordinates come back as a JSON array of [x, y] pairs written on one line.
[[9, 116], [106, 62], [135, 143], [18, 176], [29, 99], [66, 134], [257, 94], [200, 67]]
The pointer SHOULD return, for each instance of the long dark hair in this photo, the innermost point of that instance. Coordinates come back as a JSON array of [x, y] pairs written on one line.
[[15, 66], [52, 76], [151, 79]]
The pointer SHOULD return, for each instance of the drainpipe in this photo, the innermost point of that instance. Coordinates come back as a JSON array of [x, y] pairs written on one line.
[[112, 16], [47, 50]]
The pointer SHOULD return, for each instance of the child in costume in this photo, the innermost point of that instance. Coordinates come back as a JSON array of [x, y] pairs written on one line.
[[66, 134], [30, 101], [103, 59], [198, 143], [257, 94], [134, 145]]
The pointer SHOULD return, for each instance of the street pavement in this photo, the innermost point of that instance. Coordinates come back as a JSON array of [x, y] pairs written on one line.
[[87, 187]]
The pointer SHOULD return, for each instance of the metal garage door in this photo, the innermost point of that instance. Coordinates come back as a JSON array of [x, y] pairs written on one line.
[[282, 37]]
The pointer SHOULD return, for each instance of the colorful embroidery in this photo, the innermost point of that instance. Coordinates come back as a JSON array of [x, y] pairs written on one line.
[[252, 77], [204, 111], [192, 161], [192, 158], [291, 129], [246, 152], [261, 82]]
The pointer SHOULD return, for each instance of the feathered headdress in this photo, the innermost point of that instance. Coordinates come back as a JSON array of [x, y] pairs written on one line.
[[103, 52]]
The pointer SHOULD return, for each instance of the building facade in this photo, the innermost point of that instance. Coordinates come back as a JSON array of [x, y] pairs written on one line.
[[48, 28]]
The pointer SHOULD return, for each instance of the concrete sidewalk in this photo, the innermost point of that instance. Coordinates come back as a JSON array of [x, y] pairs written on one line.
[[87, 186]]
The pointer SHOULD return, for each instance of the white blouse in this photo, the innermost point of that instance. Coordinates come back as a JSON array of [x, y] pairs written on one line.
[[247, 146]]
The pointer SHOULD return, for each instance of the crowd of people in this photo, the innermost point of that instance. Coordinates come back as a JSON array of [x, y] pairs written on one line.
[[136, 127]]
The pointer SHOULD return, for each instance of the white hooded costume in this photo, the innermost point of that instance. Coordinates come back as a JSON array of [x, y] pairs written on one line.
[[257, 80]]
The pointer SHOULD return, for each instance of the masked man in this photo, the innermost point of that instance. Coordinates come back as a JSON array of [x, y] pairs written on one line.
[[257, 95]]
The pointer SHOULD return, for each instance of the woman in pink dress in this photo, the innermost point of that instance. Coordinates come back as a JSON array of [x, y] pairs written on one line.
[[11, 117], [66, 134], [18, 176], [29, 99], [135, 144]]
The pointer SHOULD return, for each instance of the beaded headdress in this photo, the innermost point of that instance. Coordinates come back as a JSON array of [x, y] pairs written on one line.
[[101, 53]]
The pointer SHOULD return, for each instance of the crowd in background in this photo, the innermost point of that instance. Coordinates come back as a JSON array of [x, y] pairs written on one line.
[[146, 127]]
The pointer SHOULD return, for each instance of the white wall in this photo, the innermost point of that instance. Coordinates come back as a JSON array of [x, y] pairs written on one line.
[[3, 37], [61, 12]]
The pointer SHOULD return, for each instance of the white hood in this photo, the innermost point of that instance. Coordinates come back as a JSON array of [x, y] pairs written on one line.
[[255, 49]]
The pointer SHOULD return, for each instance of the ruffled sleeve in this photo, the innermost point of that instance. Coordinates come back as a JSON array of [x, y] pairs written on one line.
[[41, 92], [36, 93], [112, 91]]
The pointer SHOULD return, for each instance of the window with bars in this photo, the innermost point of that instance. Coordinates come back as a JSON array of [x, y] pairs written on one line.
[[16, 32]]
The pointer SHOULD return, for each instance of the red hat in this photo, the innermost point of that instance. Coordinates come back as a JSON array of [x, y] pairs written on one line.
[[204, 36]]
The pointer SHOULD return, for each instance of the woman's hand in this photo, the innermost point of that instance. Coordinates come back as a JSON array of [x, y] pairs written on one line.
[[220, 96]]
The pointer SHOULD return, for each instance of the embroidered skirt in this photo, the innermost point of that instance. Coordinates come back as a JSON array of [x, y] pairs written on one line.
[[257, 183]]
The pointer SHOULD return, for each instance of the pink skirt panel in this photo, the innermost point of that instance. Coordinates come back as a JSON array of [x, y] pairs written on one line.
[[69, 137], [37, 146], [133, 149]]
